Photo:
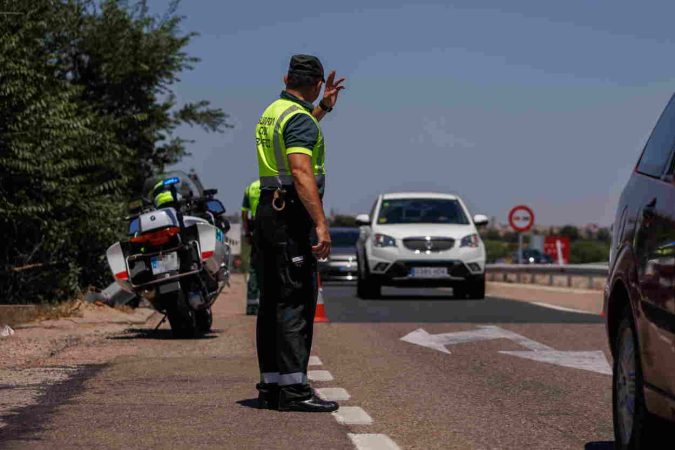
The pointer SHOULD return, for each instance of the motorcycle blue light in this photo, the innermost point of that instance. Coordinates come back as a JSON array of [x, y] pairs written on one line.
[[170, 181]]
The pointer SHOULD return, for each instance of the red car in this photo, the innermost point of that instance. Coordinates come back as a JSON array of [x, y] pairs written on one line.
[[640, 296]]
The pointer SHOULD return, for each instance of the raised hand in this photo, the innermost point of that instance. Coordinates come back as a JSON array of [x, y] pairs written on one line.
[[332, 89]]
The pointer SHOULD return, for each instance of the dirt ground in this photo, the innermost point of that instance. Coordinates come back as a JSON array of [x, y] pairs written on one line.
[[44, 352]]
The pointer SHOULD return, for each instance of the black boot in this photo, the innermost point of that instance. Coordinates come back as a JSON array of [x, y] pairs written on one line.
[[312, 404], [268, 396]]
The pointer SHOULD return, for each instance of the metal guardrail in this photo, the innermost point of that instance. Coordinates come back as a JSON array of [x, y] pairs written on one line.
[[548, 273]]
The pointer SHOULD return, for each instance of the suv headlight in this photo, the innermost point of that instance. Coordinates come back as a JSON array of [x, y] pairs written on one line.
[[470, 241], [382, 240]]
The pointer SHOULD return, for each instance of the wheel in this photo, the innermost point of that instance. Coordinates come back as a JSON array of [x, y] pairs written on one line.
[[251, 310], [181, 317], [634, 426], [366, 287], [476, 289], [204, 319]]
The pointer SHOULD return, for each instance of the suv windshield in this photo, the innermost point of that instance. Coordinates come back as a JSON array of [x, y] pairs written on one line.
[[422, 210], [344, 238]]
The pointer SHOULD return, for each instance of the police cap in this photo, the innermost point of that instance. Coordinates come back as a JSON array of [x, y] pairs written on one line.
[[306, 65]]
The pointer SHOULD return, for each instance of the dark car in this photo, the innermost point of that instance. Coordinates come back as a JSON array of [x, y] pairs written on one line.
[[640, 296], [533, 256], [341, 264]]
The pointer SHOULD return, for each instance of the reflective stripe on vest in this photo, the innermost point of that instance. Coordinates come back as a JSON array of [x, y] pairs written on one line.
[[163, 198], [272, 157], [276, 143]]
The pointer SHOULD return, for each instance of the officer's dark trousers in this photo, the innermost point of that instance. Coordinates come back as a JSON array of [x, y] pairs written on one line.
[[288, 293], [253, 287]]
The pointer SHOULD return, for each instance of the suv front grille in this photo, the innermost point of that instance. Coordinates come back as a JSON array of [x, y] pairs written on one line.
[[428, 244]]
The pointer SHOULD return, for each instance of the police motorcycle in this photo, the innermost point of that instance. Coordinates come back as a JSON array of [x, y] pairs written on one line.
[[176, 255]]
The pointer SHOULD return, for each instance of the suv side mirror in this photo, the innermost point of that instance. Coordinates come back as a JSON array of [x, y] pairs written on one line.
[[480, 220], [363, 220]]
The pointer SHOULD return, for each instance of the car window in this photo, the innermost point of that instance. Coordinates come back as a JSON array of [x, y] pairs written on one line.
[[660, 144], [344, 238], [420, 210]]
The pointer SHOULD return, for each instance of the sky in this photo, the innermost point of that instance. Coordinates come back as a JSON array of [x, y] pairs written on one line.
[[522, 102]]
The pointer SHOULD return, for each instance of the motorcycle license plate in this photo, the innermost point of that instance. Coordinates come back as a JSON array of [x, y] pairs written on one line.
[[429, 272], [164, 263]]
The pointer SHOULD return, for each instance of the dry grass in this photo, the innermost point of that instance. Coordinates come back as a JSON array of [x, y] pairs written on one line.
[[70, 308], [74, 308]]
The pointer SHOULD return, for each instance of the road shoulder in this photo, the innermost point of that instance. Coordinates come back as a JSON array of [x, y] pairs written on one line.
[[584, 300]]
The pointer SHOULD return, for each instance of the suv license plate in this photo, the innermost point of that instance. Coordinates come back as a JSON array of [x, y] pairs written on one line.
[[429, 272], [164, 263]]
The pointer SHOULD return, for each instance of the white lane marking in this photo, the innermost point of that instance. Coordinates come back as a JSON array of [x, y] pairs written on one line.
[[319, 375], [373, 442], [561, 308], [352, 415], [315, 361], [483, 333], [591, 361], [333, 394]]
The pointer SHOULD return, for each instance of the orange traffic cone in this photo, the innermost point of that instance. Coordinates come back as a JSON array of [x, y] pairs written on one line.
[[320, 314]]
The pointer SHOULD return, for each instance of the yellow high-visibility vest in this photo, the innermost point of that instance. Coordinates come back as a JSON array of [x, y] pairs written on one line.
[[272, 152]]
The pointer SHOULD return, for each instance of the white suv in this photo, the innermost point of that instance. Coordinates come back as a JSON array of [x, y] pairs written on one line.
[[420, 239]]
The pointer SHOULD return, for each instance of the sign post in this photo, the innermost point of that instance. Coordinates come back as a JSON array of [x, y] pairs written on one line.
[[521, 219], [558, 248]]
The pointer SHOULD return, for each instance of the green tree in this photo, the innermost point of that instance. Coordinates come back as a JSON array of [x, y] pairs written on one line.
[[86, 113], [497, 250], [490, 234], [341, 220], [126, 62], [584, 251], [570, 231], [59, 171], [604, 235]]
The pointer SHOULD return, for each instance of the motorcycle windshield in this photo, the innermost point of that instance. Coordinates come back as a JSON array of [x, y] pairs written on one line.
[[188, 186]]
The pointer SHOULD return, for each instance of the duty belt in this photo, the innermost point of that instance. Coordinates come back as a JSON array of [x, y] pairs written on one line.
[[279, 181]]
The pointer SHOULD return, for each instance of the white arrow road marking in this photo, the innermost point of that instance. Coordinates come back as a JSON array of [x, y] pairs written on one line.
[[591, 361], [483, 333], [421, 337]]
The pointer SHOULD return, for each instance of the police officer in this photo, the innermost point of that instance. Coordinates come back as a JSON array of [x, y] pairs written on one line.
[[291, 157], [163, 195], [249, 207]]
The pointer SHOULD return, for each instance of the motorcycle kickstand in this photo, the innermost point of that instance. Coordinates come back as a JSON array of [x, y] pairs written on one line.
[[160, 322]]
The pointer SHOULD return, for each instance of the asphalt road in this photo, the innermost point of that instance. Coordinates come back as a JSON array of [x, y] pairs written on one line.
[[438, 305], [474, 397], [153, 391]]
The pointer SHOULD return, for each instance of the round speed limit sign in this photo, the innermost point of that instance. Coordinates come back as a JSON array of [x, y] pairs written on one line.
[[521, 218]]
